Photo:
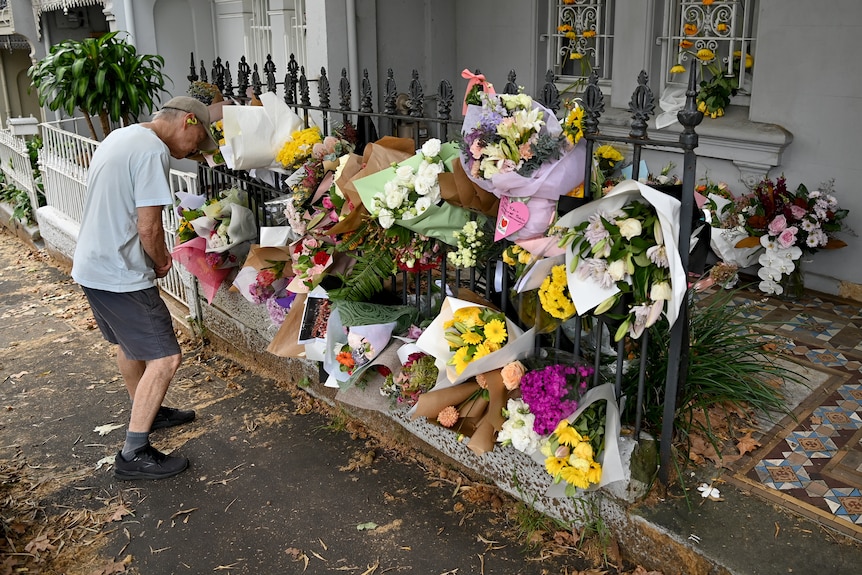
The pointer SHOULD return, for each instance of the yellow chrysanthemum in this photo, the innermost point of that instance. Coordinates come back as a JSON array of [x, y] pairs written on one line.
[[554, 465], [574, 477], [569, 436], [460, 359], [608, 152], [584, 450], [594, 475], [705, 55], [448, 324], [677, 69], [495, 331], [721, 27], [468, 315], [481, 351], [492, 347], [575, 56], [571, 35], [471, 338], [564, 28], [589, 34]]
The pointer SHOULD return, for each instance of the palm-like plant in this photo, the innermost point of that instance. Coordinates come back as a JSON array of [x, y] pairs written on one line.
[[103, 77]]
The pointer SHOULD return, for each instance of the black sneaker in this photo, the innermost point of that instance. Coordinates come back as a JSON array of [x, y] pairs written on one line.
[[148, 463], [169, 417]]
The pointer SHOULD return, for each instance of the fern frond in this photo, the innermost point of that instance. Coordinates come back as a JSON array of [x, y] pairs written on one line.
[[367, 276]]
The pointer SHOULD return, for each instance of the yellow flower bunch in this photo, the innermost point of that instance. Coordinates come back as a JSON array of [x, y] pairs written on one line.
[[474, 332], [554, 294], [569, 457], [573, 124], [295, 151], [607, 157]]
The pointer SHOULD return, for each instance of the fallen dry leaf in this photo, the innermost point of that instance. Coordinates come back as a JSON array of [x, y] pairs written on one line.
[[746, 443], [120, 512]]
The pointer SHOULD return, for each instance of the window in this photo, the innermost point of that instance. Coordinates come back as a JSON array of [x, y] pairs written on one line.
[[581, 39], [717, 35]]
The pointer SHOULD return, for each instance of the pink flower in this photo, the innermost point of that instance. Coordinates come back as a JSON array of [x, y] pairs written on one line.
[[327, 203], [778, 225], [476, 150], [787, 238], [265, 277], [797, 212]]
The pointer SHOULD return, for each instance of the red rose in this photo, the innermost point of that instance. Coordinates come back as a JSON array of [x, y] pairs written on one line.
[[320, 258]]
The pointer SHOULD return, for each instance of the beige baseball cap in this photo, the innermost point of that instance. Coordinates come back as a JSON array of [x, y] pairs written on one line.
[[201, 112]]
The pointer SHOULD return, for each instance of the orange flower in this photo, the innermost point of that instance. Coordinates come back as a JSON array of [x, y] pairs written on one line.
[[589, 34], [689, 29], [345, 359], [448, 416], [722, 27], [707, 2], [686, 44]]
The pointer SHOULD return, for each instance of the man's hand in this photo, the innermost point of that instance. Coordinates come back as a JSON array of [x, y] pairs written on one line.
[[162, 271]]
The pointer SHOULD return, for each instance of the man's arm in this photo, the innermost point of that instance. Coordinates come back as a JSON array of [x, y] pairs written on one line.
[[152, 236]]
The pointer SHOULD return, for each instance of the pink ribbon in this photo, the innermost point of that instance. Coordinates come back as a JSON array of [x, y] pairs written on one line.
[[472, 80]]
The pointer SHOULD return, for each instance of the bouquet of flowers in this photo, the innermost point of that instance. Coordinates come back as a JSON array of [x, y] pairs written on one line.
[[554, 294], [625, 243], [570, 457], [418, 375], [516, 149], [518, 430], [787, 224], [472, 342], [474, 332], [310, 258], [472, 244], [297, 149], [725, 213], [552, 392], [409, 194], [221, 237]]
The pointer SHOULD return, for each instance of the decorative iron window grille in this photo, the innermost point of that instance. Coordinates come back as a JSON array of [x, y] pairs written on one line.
[[724, 27], [582, 39]]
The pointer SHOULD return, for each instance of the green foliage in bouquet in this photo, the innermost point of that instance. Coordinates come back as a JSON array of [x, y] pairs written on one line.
[[729, 363], [373, 266]]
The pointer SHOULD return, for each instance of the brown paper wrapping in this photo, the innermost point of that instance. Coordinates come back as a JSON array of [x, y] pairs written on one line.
[[284, 343], [262, 257], [480, 419], [377, 156], [457, 189], [485, 435]]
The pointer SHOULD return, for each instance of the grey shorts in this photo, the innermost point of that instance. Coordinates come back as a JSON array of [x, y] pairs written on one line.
[[139, 322]]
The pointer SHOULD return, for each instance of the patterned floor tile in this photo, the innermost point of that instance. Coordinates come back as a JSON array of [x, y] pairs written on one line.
[[816, 459]]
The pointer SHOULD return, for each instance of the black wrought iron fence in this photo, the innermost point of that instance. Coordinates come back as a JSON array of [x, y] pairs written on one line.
[[404, 113]]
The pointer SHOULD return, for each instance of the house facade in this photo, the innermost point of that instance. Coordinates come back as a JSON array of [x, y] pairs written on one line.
[[794, 113]]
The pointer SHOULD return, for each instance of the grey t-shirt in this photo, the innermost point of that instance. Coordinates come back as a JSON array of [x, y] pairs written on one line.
[[129, 170]]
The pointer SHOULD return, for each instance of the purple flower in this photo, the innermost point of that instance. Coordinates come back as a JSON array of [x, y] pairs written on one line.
[[552, 393]]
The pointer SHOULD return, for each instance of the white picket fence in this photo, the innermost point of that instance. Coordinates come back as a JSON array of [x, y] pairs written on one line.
[[15, 164]]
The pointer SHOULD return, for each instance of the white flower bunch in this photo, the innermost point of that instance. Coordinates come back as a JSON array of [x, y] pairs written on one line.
[[469, 242], [517, 430], [775, 262], [409, 194]]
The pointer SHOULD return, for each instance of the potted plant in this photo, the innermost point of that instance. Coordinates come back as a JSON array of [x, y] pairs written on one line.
[[103, 77]]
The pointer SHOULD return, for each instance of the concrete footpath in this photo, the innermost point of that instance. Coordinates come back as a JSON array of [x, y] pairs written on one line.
[[279, 482], [282, 481]]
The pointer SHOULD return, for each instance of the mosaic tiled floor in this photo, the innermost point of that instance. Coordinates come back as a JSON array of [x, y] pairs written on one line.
[[813, 465]]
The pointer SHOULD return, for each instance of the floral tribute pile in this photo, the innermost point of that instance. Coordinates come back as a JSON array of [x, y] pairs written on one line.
[[359, 226]]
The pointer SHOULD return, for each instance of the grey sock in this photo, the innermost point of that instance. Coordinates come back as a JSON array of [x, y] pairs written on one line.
[[134, 441]]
